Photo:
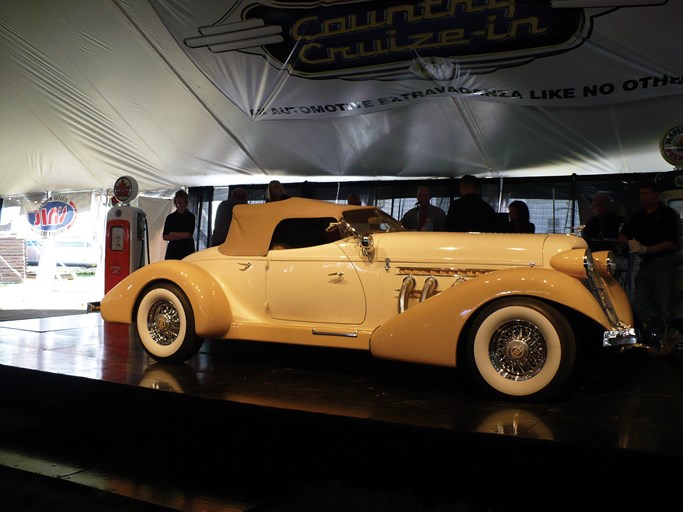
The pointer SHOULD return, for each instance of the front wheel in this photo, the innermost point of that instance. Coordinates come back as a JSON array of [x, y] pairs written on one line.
[[164, 324], [521, 347]]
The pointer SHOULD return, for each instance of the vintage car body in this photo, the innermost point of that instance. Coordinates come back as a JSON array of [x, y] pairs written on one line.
[[506, 305]]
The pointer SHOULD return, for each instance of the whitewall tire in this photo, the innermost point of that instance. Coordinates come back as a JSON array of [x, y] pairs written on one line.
[[164, 323], [521, 347]]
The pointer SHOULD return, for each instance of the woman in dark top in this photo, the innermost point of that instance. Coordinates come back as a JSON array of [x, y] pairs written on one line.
[[179, 228], [519, 218]]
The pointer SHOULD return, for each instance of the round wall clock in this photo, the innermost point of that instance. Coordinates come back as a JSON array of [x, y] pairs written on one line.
[[671, 146]]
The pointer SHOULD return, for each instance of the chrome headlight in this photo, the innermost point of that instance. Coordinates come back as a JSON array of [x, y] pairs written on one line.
[[581, 263], [575, 262], [605, 263]]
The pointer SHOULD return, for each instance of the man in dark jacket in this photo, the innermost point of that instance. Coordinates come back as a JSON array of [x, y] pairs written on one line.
[[652, 233], [470, 213]]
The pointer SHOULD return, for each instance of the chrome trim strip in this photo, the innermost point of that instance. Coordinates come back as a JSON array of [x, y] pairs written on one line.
[[417, 271], [594, 283], [318, 332]]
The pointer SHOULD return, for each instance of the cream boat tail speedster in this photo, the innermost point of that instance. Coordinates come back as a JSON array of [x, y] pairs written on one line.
[[510, 307]]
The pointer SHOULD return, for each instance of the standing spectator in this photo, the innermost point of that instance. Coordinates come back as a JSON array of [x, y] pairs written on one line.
[[606, 223], [601, 232], [518, 212], [425, 216], [275, 192], [179, 228], [470, 213], [652, 233], [353, 199], [224, 215]]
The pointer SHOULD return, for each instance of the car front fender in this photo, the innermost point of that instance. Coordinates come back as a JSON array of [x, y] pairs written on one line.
[[429, 332], [210, 305]]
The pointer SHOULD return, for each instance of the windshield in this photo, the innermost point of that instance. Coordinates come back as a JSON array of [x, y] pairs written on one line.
[[367, 221]]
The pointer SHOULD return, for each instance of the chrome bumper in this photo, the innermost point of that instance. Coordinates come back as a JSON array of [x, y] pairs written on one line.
[[650, 340], [627, 338]]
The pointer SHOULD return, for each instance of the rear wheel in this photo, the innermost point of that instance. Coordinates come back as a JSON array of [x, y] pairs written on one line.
[[521, 347], [164, 323]]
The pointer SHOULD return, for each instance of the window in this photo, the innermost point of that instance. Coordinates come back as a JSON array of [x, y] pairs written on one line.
[[298, 233]]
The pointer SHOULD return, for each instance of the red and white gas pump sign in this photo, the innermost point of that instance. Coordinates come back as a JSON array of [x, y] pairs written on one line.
[[126, 235]]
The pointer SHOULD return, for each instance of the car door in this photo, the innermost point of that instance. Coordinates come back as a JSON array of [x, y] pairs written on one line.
[[314, 284]]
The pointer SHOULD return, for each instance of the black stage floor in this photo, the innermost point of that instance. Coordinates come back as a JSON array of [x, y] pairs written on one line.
[[271, 428]]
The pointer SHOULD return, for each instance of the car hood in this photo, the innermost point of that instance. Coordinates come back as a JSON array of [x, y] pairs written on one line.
[[480, 249]]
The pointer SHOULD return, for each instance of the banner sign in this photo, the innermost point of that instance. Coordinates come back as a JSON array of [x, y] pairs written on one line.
[[294, 59], [55, 215]]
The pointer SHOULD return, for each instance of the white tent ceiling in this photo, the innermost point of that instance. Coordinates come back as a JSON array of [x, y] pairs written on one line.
[[91, 90]]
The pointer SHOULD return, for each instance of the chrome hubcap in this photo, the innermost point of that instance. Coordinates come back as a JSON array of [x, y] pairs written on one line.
[[518, 350], [163, 322]]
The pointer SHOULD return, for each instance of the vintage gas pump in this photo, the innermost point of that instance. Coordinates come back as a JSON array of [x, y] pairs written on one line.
[[126, 237]]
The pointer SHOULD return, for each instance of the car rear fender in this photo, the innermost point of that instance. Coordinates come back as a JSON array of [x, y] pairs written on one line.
[[210, 305], [429, 332]]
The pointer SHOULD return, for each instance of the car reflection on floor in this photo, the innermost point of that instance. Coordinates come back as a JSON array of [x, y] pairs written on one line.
[[621, 405]]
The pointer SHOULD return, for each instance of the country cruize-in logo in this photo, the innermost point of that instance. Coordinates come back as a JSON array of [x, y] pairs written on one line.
[[394, 38]]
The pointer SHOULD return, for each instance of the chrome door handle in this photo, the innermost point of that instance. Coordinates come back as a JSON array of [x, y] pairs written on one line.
[[246, 266]]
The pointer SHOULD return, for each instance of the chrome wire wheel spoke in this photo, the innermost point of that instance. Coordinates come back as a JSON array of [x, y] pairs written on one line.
[[518, 350], [163, 322]]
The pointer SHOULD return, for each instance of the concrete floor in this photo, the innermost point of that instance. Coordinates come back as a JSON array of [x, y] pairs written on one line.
[[272, 428]]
